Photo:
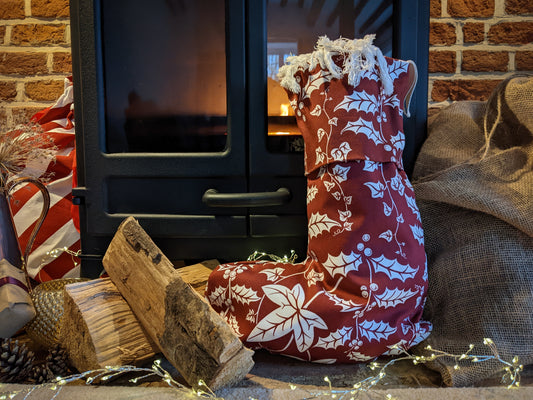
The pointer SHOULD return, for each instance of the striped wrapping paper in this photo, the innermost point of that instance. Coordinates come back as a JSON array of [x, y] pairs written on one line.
[[59, 230]]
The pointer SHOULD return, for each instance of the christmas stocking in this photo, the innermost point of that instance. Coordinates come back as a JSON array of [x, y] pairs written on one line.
[[360, 292]]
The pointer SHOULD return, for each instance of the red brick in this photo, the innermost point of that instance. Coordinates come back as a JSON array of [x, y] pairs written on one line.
[[511, 32], [48, 90], [524, 60], [62, 62], [12, 9], [435, 8], [458, 90], [471, 8], [441, 33], [38, 35], [440, 91], [8, 91], [22, 63], [519, 7], [442, 61], [473, 32], [50, 8], [485, 61]]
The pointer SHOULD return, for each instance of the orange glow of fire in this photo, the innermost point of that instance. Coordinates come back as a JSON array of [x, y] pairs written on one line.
[[284, 110]]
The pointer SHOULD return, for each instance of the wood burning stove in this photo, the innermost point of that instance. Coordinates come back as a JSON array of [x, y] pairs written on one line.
[[180, 121]]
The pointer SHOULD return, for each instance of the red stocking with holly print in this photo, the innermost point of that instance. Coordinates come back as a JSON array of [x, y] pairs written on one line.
[[360, 292]]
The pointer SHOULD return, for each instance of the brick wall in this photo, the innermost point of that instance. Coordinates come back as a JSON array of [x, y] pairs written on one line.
[[475, 44], [34, 56]]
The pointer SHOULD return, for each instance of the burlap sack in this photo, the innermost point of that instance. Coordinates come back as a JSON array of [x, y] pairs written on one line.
[[474, 187]]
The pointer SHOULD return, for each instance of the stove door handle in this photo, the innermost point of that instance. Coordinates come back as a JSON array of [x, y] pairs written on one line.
[[213, 198]]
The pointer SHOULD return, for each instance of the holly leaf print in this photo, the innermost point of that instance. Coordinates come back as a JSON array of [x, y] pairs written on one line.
[[398, 141], [315, 81], [392, 268], [341, 153], [370, 166], [333, 121], [376, 188], [218, 296], [243, 294], [392, 101], [320, 133], [374, 330], [398, 348], [311, 193], [387, 235], [273, 275], [316, 111], [397, 68], [320, 155], [340, 173], [337, 196], [411, 202], [418, 234], [342, 264], [348, 200], [335, 339], [345, 304], [393, 297], [366, 128], [319, 223], [387, 210], [289, 317], [251, 316], [397, 184], [360, 357], [234, 324], [359, 101], [370, 74]]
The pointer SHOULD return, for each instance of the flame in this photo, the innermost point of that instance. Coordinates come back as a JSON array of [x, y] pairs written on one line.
[[284, 110]]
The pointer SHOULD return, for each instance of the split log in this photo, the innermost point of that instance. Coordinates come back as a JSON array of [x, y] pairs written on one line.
[[99, 328], [191, 335]]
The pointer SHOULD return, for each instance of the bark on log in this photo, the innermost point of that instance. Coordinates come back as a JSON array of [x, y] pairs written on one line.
[[191, 335], [99, 329]]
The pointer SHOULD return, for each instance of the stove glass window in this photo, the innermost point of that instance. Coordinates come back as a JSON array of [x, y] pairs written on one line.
[[293, 27], [165, 88]]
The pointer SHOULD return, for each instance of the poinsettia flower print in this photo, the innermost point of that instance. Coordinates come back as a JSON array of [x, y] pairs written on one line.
[[291, 317]]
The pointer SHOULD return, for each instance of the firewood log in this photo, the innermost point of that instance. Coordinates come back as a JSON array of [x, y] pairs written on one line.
[[191, 335]]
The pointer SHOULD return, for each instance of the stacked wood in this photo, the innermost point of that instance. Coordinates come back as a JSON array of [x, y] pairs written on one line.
[[99, 328], [191, 335]]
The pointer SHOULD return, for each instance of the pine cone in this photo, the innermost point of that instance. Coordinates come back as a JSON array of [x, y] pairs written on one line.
[[16, 361], [41, 373], [59, 362]]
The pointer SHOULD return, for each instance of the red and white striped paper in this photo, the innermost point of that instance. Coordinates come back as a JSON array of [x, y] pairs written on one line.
[[58, 231]]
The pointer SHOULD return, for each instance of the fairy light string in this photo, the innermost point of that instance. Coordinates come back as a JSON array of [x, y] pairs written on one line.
[[511, 370], [259, 255], [511, 376]]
